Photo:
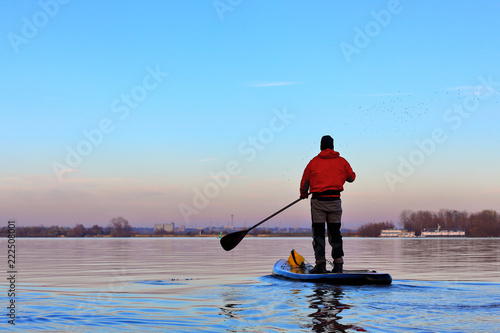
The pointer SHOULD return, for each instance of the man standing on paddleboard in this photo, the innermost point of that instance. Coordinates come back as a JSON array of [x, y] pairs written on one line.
[[324, 177]]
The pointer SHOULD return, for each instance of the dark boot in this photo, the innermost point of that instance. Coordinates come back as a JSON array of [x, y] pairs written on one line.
[[338, 268], [319, 269]]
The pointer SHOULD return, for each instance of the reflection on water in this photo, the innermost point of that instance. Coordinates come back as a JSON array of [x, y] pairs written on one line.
[[191, 285], [327, 303], [312, 307]]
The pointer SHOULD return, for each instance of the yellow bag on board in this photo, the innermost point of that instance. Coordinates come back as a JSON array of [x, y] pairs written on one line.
[[295, 259]]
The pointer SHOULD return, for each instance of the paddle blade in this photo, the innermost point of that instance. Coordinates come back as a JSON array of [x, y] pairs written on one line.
[[230, 241]]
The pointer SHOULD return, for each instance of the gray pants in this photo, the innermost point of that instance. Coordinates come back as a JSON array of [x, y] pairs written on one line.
[[329, 212]]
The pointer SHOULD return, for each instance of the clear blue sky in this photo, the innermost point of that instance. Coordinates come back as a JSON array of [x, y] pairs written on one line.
[[127, 108]]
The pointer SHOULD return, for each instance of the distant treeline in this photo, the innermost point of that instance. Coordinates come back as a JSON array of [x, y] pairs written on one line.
[[117, 227], [482, 224], [374, 229]]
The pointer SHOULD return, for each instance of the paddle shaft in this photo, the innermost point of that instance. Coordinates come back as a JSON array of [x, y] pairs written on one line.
[[279, 211], [230, 241]]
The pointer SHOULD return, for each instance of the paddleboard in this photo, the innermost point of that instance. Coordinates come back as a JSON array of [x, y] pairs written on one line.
[[353, 277]]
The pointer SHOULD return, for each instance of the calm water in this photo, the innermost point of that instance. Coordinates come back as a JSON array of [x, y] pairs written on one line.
[[191, 285]]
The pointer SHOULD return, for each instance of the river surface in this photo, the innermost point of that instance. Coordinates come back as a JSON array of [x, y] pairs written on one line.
[[192, 285]]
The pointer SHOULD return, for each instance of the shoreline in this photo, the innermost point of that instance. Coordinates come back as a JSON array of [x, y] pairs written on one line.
[[284, 235]]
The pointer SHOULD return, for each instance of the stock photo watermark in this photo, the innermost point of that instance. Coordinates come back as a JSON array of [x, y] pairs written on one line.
[[30, 27], [11, 272], [363, 36], [248, 149], [453, 116], [223, 6], [121, 106]]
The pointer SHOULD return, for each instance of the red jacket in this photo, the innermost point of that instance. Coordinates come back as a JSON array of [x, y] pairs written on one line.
[[326, 171]]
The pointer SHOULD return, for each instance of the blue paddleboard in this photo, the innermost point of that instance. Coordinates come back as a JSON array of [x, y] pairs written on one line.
[[283, 269]]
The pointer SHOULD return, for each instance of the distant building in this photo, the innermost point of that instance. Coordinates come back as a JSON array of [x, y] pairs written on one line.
[[397, 233], [169, 227]]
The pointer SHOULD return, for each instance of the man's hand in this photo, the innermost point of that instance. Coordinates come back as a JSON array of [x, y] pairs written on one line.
[[304, 195], [350, 180]]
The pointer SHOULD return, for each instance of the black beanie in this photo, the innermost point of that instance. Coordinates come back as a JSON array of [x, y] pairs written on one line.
[[326, 142]]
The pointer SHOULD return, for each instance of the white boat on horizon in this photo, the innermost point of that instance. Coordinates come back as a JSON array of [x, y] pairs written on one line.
[[438, 232], [397, 233]]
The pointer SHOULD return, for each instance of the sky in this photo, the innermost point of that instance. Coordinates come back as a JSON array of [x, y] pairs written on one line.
[[193, 111]]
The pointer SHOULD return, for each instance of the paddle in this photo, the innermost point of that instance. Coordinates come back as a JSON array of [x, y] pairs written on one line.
[[230, 241]]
